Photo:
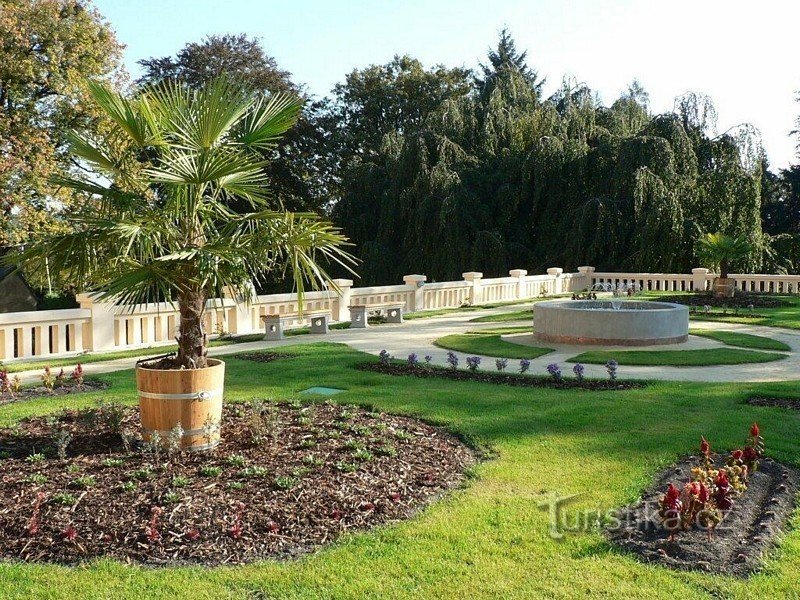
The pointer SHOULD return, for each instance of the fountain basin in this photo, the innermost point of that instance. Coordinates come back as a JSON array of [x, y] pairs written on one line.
[[611, 322]]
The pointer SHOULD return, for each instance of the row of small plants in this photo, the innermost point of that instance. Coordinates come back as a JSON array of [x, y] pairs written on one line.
[[11, 386], [501, 364], [709, 496]]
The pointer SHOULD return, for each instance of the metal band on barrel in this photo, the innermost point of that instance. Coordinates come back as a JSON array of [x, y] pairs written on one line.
[[207, 395]]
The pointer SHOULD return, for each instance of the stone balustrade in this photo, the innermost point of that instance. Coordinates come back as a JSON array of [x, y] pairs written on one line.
[[104, 326]]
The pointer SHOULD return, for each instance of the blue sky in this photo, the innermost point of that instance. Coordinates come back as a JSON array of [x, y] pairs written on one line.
[[742, 54]]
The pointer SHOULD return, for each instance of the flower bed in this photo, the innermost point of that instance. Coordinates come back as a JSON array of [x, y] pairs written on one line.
[[286, 479], [790, 403], [53, 384], [741, 301], [728, 513], [500, 377], [264, 357]]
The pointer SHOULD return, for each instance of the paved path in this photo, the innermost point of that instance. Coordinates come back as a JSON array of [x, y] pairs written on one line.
[[418, 336]]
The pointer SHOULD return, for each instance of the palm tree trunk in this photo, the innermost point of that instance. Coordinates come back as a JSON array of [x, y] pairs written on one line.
[[191, 338]]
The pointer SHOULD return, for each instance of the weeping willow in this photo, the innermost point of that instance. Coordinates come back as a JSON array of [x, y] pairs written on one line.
[[502, 178]]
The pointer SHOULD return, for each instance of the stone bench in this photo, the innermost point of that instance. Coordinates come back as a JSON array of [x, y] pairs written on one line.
[[274, 325], [359, 314]]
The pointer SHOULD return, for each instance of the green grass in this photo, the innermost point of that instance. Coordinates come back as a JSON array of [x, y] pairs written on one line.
[[490, 539], [742, 340], [782, 316], [677, 358], [517, 315], [503, 330], [489, 345], [441, 312]]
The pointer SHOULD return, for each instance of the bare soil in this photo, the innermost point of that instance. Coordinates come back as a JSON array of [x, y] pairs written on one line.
[[286, 479], [748, 531], [27, 393], [790, 403], [741, 301], [503, 378]]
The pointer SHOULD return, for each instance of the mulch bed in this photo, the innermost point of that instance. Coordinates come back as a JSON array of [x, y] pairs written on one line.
[[791, 403], [742, 301], [28, 393], [263, 357], [512, 379], [749, 530], [285, 480]]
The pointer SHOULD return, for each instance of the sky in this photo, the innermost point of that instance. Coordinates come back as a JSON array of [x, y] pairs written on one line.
[[743, 54]]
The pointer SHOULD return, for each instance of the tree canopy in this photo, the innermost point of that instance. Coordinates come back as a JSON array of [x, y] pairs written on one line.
[[49, 49]]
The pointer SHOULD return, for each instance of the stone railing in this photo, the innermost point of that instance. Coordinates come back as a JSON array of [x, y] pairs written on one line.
[[103, 326], [698, 280]]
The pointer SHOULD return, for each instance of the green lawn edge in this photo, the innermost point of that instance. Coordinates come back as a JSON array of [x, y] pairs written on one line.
[[677, 358], [742, 340], [489, 345]]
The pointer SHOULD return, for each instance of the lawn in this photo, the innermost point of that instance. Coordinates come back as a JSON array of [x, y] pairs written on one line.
[[781, 316], [488, 540], [742, 340], [517, 315], [489, 345], [677, 358]]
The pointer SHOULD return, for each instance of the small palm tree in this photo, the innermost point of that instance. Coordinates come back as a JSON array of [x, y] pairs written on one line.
[[157, 224], [720, 250]]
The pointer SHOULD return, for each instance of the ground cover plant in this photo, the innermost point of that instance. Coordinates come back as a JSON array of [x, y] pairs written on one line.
[[715, 512], [505, 373], [74, 486], [489, 345], [678, 358], [742, 340], [783, 311], [545, 442]]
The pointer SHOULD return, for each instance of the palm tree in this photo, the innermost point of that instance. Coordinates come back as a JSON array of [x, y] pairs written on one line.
[[720, 250], [157, 223]]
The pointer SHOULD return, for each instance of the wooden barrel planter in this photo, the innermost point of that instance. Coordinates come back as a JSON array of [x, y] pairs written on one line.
[[191, 397]]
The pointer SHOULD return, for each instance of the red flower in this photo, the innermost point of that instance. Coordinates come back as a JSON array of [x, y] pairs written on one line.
[[273, 526], [722, 479], [192, 534], [737, 455], [705, 448], [703, 494], [394, 497], [749, 454], [69, 534], [672, 497], [236, 530], [754, 431], [336, 514]]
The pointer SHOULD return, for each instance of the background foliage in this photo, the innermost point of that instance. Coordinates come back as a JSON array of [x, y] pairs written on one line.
[[436, 169]]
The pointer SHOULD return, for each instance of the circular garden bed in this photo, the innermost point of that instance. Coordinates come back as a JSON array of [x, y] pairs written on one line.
[[736, 547], [504, 378], [286, 479]]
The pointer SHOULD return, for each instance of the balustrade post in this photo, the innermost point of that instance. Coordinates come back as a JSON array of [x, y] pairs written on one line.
[[476, 287], [699, 277], [519, 274], [587, 273], [555, 273], [343, 295], [417, 285]]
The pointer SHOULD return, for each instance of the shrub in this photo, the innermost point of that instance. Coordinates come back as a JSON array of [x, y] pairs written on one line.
[[611, 368], [413, 359], [501, 364], [452, 360], [554, 371], [524, 365], [48, 379], [473, 362], [384, 357], [77, 375], [578, 369], [428, 359]]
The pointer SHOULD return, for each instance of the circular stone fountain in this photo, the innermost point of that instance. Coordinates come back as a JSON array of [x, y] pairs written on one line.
[[611, 322]]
